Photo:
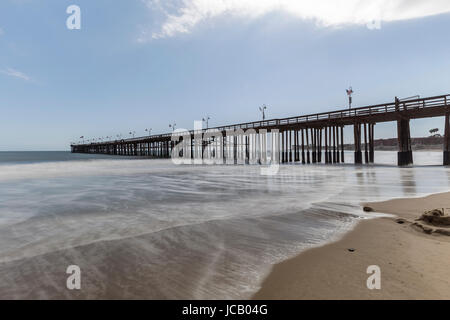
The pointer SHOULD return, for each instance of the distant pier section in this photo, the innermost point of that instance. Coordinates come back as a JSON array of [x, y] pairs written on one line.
[[313, 138]]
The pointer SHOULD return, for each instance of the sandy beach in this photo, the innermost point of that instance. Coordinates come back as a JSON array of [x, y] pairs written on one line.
[[414, 265]]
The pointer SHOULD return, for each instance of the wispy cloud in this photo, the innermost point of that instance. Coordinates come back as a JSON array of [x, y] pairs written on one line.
[[16, 74], [2, 32], [181, 16]]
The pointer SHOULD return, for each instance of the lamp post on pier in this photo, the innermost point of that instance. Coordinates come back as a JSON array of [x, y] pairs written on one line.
[[263, 109], [350, 99], [207, 121]]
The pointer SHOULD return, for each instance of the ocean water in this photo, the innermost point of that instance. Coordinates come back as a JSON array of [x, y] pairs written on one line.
[[141, 228]]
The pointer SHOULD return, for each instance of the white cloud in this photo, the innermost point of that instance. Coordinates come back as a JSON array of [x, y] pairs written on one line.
[[15, 74], [2, 32], [181, 16]]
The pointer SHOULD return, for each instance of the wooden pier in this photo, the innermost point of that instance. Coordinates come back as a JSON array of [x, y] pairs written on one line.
[[313, 138]]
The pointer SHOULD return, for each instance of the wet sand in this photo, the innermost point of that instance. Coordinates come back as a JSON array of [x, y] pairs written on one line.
[[414, 265]]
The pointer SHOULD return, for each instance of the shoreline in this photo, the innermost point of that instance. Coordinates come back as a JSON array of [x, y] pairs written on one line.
[[414, 265]]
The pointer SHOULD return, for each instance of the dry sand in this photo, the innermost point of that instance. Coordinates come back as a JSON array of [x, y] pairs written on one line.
[[414, 265]]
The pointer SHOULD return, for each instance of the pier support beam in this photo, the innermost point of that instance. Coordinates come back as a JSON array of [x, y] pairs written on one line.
[[405, 156], [247, 149], [319, 147], [366, 149], [286, 146], [303, 147], [447, 140], [371, 143], [330, 145], [338, 154], [308, 160], [357, 140], [334, 144], [224, 146], [313, 142], [235, 149], [342, 145], [326, 146], [290, 145]]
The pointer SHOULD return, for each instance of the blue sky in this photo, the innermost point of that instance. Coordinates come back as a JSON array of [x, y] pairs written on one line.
[[138, 64]]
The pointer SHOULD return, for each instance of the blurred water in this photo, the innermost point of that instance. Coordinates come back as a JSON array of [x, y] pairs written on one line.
[[150, 229], [24, 157]]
